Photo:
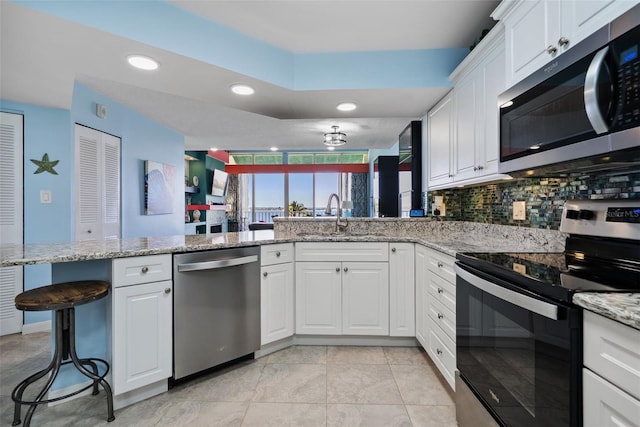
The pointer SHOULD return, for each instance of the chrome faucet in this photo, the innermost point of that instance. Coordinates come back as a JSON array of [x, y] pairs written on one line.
[[327, 211]]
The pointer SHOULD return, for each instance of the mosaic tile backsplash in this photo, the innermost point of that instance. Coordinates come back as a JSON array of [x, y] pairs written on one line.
[[545, 198]]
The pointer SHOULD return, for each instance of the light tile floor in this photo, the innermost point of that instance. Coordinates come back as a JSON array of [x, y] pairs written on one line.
[[298, 386]]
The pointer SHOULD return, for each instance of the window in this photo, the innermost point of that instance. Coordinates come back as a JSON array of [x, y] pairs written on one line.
[[268, 196]]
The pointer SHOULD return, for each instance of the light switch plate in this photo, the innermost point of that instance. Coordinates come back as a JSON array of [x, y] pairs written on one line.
[[520, 210], [45, 196]]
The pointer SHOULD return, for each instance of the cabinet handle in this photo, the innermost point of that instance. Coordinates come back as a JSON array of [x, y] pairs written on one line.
[[89, 231], [475, 168], [167, 290], [145, 269], [393, 249], [439, 351], [346, 269], [440, 290], [440, 264], [440, 316], [337, 269], [551, 49], [480, 168], [277, 253], [450, 175], [563, 41], [265, 274]]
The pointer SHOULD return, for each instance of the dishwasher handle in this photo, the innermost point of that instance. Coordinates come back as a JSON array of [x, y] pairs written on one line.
[[212, 265]]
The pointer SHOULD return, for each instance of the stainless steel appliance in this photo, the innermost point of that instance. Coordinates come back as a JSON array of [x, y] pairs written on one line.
[[216, 308], [519, 337], [581, 111]]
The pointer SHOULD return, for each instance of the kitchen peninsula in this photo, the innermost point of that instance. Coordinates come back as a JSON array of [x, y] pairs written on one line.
[[95, 260]]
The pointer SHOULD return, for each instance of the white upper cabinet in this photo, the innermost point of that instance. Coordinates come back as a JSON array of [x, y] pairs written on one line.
[[539, 30], [439, 140], [463, 133]]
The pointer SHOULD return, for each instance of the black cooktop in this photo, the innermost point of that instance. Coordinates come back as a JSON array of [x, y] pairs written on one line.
[[559, 275]]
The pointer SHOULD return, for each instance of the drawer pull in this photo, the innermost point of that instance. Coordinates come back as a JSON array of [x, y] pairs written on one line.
[[337, 269], [277, 253], [145, 270], [440, 316], [440, 265], [439, 352], [346, 269], [265, 274], [440, 290], [551, 50], [563, 41], [393, 250], [167, 290]]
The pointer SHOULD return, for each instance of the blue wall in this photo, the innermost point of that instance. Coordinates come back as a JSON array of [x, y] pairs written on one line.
[[51, 130]]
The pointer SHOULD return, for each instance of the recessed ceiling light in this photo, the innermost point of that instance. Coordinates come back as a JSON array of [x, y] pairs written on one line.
[[213, 149], [331, 148], [242, 90], [347, 106], [273, 148], [142, 62]]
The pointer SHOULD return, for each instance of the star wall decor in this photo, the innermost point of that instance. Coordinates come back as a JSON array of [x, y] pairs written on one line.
[[45, 165]]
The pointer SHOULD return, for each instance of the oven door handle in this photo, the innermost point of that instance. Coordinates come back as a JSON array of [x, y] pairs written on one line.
[[523, 301]]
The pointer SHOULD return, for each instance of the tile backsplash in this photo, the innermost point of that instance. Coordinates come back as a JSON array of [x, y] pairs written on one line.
[[544, 198]]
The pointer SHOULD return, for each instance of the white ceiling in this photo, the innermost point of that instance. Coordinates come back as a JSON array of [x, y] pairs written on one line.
[[41, 56]]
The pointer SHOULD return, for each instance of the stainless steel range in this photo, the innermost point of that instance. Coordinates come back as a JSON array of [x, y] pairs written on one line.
[[519, 337]]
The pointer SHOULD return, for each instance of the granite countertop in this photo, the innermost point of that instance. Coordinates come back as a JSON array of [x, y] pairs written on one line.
[[623, 307], [447, 237]]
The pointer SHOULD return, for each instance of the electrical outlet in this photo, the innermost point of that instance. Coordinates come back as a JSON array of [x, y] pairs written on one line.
[[45, 196], [520, 211]]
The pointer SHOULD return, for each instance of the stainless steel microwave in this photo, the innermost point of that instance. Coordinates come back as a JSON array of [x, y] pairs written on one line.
[[581, 111]]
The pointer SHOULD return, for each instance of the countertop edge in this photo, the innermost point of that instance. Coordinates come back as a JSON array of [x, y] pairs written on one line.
[[621, 307]]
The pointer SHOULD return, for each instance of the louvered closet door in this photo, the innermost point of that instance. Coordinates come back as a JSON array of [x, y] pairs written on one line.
[[11, 216], [97, 184]]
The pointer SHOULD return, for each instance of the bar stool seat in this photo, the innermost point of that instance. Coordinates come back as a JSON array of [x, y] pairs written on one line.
[[62, 298]]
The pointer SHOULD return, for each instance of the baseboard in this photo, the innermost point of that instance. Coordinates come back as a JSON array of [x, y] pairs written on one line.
[[355, 340], [139, 394], [32, 328]]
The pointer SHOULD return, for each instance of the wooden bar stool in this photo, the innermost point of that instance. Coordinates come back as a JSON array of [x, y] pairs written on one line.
[[62, 298]]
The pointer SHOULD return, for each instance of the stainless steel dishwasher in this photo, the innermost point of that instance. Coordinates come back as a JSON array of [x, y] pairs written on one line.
[[216, 308]]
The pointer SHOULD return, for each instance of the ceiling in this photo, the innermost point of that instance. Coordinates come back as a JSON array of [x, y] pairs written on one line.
[[43, 55]]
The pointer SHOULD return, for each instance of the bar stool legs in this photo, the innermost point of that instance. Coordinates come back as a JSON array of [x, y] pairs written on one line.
[[65, 348]]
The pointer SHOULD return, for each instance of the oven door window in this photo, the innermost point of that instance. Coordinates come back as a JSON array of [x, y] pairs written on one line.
[[516, 360]]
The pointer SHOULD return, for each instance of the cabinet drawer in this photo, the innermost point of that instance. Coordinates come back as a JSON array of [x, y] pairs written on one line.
[[442, 265], [276, 254], [442, 291], [606, 405], [444, 318], [443, 353], [141, 269], [342, 251], [612, 350]]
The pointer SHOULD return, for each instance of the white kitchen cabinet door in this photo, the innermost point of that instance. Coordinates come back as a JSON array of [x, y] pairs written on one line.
[[605, 405], [532, 29], [466, 120], [142, 335], [318, 298], [422, 295], [402, 290], [365, 298], [439, 141], [488, 143], [276, 302]]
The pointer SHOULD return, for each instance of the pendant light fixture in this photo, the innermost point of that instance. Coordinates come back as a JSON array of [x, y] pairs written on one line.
[[335, 138]]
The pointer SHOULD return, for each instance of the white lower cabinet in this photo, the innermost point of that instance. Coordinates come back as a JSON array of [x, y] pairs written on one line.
[[142, 316], [342, 298], [611, 374], [276, 292], [422, 295], [402, 290], [436, 309], [365, 298]]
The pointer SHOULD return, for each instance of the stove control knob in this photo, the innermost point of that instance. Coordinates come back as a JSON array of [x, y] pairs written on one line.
[[571, 214], [586, 214]]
